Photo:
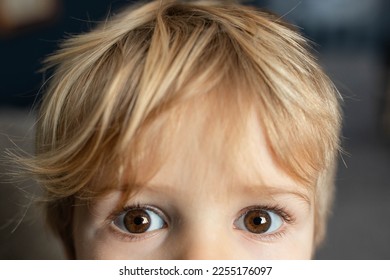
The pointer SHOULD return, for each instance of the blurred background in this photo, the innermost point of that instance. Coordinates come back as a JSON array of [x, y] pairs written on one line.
[[352, 42]]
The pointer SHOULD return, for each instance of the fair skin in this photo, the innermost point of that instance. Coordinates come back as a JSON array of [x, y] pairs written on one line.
[[196, 206]]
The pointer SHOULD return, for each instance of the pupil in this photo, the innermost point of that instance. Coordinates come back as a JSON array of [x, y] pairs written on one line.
[[138, 220], [257, 221]]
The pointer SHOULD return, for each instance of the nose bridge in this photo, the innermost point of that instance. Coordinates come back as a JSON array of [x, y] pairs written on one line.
[[205, 237], [205, 253]]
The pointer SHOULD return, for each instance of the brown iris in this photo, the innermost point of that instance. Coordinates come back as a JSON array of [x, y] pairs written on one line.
[[257, 221], [136, 221]]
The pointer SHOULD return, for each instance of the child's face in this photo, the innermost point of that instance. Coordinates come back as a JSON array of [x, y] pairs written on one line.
[[201, 205]]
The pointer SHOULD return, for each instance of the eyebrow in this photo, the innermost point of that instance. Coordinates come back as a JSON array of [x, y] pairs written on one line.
[[278, 190], [255, 189]]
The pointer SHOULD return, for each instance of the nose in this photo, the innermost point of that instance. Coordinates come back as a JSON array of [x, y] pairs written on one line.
[[208, 243], [196, 248]]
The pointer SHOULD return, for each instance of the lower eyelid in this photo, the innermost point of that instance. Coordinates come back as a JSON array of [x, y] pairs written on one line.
[[267, 237], [128, 237]]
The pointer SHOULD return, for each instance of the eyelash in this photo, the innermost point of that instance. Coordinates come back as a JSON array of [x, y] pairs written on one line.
[[281, 211], [286, 217]]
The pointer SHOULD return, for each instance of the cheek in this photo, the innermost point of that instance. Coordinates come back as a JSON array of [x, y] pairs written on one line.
[[288, 248]]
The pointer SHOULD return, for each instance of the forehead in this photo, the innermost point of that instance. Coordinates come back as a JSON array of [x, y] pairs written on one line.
[[214, 143]]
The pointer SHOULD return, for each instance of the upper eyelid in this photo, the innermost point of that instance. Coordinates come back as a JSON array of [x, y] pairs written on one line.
[[124, 209], [281, 211], [285, 215]]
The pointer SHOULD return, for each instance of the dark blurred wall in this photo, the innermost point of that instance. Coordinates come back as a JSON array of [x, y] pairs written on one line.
[[325, 22], [22, 50]]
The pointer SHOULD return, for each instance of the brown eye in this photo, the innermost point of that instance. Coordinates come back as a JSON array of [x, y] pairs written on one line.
[[259, 221], [136, 221], [139, 220]]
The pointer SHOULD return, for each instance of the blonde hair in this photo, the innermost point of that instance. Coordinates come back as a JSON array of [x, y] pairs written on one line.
[[110, 84]]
